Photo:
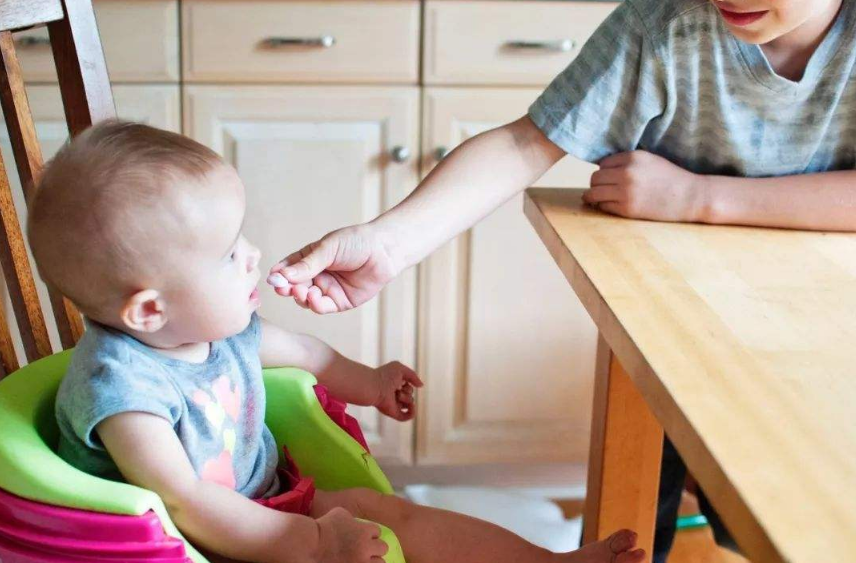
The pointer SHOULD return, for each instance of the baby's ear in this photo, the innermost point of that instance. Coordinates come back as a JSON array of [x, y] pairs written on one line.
[[144, 311]]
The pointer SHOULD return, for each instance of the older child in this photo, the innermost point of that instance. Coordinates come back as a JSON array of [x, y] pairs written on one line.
[[740, 111]]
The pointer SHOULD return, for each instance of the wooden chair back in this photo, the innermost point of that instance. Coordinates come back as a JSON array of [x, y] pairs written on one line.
[[87, 98]]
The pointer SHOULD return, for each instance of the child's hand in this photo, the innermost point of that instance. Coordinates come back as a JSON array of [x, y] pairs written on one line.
[[640, 185], [395, 399], [344, 539], [341, 271]]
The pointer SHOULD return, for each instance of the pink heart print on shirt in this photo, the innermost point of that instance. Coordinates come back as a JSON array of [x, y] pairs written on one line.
[[219, 470], [230, 400], [226, 403]]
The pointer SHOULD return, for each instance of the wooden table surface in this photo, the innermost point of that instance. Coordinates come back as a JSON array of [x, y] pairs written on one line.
[[743, 344]]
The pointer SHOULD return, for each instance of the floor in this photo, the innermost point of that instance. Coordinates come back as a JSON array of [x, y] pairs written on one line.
[[691, 546]]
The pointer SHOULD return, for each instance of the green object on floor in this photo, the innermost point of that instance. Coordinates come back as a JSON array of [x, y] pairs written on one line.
[[691, 522]]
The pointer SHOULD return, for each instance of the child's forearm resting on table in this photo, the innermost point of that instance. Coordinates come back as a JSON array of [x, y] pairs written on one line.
[[150, 455], [824, 201], [476, 178], [347, 380]]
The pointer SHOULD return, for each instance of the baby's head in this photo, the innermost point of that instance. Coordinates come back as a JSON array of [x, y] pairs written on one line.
[[764, 21], [141, 229]]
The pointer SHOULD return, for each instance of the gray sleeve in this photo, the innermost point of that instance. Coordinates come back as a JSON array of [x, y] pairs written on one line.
[[603, 101], [116, 387]]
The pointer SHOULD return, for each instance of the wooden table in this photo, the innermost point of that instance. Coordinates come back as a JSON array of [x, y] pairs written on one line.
[[741, 343]]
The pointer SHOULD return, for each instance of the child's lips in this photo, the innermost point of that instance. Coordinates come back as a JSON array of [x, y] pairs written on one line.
[[741, 18], [254, 296]]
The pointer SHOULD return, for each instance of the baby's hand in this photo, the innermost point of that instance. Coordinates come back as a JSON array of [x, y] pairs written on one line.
[[396, 391], [344, 539]]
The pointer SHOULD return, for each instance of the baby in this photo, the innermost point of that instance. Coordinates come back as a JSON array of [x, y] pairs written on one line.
[[141, 229]]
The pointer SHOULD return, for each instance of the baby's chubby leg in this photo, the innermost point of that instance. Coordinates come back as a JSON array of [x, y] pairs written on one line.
[[430, 535]]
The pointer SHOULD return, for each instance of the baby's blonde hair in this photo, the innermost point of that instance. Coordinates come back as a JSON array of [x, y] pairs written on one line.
[[90, 223]]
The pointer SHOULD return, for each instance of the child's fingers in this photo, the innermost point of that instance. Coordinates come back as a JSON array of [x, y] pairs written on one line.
[[314, 259], [320, 303], [299, 292], [404, 414], [615, 160], [608, 176], [406, 406], [411, 377], [283, 291], [612, 208], [601, 194], [278, 281], [287, 261], [331, 287]]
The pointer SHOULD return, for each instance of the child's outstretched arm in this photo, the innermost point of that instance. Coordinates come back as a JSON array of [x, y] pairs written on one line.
[[389, 387], [641, 185], [477, 177], [149, 454]]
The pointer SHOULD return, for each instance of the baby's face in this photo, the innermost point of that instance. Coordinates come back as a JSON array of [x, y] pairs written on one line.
[[763, 21], [212, 293]]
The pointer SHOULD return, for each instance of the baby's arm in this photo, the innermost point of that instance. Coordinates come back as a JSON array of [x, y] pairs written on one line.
[[389, 387], [148, 453], [641, 185]]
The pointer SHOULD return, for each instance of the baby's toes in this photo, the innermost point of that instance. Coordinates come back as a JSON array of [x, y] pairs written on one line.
[[635, 556], [622, 540]]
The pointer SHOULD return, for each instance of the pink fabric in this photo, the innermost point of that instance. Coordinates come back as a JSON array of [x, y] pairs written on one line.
[[300, 491], [335, 409]]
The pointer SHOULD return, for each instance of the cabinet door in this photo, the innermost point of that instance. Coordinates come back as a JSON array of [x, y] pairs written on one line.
[[314, 159], [155, 105], [505, 347]]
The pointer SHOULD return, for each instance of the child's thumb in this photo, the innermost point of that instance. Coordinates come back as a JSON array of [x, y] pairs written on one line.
[[316, 261]]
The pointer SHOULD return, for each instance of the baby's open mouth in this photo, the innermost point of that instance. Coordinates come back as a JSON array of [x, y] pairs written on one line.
[[254, 295]]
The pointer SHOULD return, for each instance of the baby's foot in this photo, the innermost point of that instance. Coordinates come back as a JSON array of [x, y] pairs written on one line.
[[617, 548]]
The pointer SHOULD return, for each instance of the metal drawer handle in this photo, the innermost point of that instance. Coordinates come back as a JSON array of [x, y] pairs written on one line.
[[440, 153], [400, 154], [33, 41], [325, 42], [559, 45]]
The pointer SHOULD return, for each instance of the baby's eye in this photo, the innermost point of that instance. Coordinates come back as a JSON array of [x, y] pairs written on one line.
[[233, 256]]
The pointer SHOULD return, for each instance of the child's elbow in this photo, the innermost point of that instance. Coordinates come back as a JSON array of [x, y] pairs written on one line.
[[182, 499], [532, 142]]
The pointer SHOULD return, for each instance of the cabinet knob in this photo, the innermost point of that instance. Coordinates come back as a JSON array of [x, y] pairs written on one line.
[[400, 154], [440, 153]]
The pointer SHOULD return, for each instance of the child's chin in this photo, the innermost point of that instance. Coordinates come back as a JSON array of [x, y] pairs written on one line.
[[754, 37], [227, 330]]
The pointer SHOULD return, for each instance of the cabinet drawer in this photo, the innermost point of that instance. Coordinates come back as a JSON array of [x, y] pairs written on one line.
[[260, 40], [512, 43], [140, 39]]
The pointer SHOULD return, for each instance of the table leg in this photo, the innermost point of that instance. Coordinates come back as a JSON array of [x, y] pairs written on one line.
[[624, 457]]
